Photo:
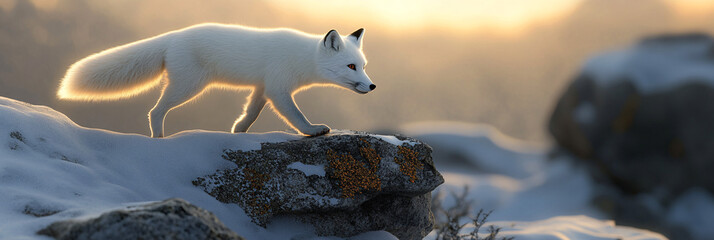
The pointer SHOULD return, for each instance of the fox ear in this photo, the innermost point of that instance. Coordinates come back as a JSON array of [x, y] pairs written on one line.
[[332, 40], [357, 36]]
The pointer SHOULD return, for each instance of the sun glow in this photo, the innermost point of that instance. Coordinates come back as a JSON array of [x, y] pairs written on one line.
[[688, 7], [455, 14]]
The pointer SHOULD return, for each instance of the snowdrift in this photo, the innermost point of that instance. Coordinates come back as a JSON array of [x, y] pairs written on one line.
[[52, 169]]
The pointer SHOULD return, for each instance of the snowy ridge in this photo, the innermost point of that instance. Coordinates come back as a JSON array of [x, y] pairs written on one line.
[[52, 169], [394, 140], [571, 227], [531, 196], [653, 67]]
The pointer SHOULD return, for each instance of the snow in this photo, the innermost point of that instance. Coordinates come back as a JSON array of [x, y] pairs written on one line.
[[568, 227], [480, 146], [52, 169], [81, 172], [694, 210], [532, 197], [307, 169], [394, 140], [564, 228], [654, 66]]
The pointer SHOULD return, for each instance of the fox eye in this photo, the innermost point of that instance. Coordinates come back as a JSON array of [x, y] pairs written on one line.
[[352, 66]]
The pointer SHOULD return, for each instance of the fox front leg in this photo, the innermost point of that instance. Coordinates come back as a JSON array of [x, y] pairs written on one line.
[[285, 106]]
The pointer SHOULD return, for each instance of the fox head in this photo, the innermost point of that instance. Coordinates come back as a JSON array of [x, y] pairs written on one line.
[[341, 61]]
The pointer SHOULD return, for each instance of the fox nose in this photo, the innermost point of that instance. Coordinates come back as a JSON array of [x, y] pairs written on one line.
[[372, 86]]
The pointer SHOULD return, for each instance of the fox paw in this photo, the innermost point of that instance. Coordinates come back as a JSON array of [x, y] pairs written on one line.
[[316, 130]]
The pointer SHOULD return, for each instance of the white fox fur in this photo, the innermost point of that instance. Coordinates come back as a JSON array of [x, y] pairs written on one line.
[[274, 63]]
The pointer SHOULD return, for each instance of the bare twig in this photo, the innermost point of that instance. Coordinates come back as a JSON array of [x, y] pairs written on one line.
[[448, 226]]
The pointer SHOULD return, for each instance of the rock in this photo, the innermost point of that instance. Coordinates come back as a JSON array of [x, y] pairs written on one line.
[[343, 183], [644, 114], [642, 117], [170, 219], [405, 217]]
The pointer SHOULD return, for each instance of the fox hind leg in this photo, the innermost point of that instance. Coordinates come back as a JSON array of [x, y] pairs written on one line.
[[251, 111], [179, 89]]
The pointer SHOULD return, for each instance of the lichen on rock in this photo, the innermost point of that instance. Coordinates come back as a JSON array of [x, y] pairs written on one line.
[[408, 162], [364, 175], [354, 175]]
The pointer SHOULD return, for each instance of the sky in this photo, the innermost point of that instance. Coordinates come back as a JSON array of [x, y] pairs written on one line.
[[502, 15], [502, 63], [507, 16], [452, 14]]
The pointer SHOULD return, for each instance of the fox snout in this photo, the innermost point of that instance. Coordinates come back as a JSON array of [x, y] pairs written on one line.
[[364, 88]]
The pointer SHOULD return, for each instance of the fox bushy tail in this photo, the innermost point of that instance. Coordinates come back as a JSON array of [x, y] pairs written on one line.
[[116, 73]]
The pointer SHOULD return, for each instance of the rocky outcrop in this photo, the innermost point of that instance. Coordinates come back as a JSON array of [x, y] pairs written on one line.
[[343, 183], [642, 117], [644, 114], [169, 219]]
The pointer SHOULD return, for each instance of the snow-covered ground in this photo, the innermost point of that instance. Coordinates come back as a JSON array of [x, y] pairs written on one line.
[[48, 164], [532, 197], [570, 227], [54, 165], [504, 174]]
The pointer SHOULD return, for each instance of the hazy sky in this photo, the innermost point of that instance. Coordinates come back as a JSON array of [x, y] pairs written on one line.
[[456, 14], [502, 15], [499, 62]]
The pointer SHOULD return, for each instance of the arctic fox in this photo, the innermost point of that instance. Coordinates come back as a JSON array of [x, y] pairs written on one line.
[[275, 63]]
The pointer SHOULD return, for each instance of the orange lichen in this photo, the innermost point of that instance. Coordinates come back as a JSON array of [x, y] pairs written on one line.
[[367, 152], [353, 175], [408, 162], [256, 181]]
